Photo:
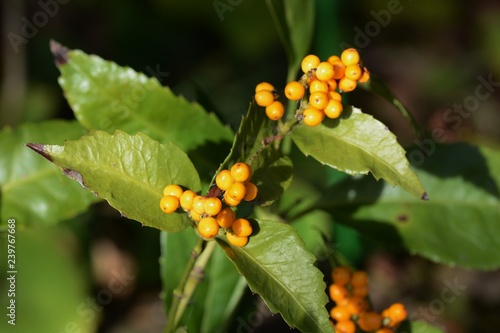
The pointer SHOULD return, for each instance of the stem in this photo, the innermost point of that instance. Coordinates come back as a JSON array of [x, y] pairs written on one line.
[[178, 293], [196, 276]]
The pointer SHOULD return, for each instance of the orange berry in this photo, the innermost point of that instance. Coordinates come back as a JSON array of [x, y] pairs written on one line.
[[318, 100], [346, 326], [317, 85], [397, 312], [252, 191], [208, 227], [335, 95], [275, 111], [264, 86], [350, 57], [230, 201], [173, 189], [212, 206], [309, 62], [226, 217], [338, 293], [241, 172], [356, 304], [264, 98], [360, 291], [347, 85], [384, 330], [312, 116], [332, 84], [242, 227], [224, 180], [340, 313], [169, 204], [338, 69], [369, 321], [324, 71], [238, 241], [333, 109], [365, 77], [294, 90], [341, 275], [359, 279], [237, 191], [186, 199], [353, 72]]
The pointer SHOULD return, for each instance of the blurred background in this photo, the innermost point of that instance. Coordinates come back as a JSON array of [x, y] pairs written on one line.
[[433, 55]]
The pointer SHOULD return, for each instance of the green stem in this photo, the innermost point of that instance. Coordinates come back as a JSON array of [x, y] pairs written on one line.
[[178, 293], [196, 276]]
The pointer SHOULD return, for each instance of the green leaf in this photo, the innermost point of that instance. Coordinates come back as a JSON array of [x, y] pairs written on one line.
[[32, 190], [458, 226], [379, 87], [418, 327], [294, 20], [277, 266], [107, 97], [129, 171], [215, 298], [357, 143], [257, 144]]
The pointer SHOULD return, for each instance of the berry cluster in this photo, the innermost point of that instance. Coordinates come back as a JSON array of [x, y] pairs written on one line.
[[209, 212], [323, 80], [349, 291]]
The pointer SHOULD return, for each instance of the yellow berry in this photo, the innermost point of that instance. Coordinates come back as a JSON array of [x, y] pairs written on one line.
[[332, 84], [318, 100], [397, 313], [353, 72], [208, 227], [333, 58], [237, 240], [195, 216], [169, 204], [335, 95], [340, 313], [346, 326], [294, 90], [264, 86], [230, 201], [333, 109], [224, 180], [324, 71], [212, 206], [350, 57], [241, 172], [347, 85], [173, 189], [309, 62], [199, 204], [317, 85], [313, 116], [226, 217], [338, 293], [237, 191], [275, 111], [242, 227], [252, 191], [264, 98], [186, 199]]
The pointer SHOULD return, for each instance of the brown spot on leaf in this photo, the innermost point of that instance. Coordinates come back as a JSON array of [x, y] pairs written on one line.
[[75, 175], [40, 149], [425, 197], [402, 218], [59, 52]]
